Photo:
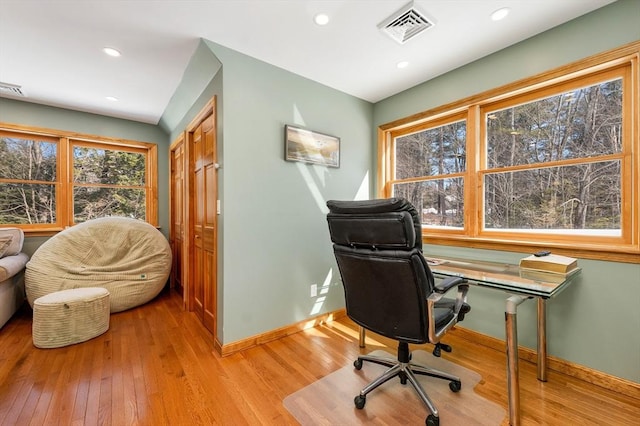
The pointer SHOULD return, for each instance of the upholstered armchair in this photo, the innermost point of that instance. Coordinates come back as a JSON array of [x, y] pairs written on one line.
[[12, 264]]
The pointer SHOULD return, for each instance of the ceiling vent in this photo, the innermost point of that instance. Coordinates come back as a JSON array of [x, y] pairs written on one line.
[[11, 89], [405, 24]]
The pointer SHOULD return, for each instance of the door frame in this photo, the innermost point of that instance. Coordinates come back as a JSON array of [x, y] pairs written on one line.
[[188, 293]]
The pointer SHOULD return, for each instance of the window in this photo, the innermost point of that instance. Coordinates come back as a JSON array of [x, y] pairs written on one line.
[[430, 169], [108, 182], [49, 181], [548, 162], [28, 176]]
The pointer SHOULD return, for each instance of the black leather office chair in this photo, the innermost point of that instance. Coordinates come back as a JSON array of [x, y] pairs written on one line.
[[389, 288]]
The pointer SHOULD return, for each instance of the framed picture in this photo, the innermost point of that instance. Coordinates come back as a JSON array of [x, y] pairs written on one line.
[[311, 147]]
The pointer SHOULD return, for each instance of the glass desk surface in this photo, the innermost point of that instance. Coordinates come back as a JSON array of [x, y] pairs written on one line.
[[503, 276]]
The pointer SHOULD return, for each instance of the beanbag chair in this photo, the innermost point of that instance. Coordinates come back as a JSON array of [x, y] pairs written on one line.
[[128, 257]]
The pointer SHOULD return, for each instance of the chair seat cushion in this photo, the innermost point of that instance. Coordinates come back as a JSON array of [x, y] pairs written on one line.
[[444, 311]]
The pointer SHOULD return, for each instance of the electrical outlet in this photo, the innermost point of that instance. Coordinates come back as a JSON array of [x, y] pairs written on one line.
[[314, 290]]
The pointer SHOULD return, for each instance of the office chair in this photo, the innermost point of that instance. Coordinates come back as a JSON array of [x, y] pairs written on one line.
[[389, 288]]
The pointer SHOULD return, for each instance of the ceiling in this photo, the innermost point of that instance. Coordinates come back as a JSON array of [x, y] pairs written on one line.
[[53, 48]]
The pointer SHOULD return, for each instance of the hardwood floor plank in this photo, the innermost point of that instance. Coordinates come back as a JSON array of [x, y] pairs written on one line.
[[156, 366], [82, 372]]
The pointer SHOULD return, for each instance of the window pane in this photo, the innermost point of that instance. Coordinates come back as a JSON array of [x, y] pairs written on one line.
[[108, 167], [94, 202], [27, 159], [440, 201], [581, 197], [22, 204], [578, 124], [432, 152]]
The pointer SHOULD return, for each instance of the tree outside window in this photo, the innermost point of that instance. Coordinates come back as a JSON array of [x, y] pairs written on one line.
[[108, 182], [572, 139], [429, 166], [28, 179]]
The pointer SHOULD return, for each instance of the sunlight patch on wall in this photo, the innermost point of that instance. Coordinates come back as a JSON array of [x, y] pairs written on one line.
[[313, 187], [363, 190], [297, 117], [324, 290]]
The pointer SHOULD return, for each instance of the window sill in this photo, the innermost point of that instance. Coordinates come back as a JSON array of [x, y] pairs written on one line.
[[606, 253]]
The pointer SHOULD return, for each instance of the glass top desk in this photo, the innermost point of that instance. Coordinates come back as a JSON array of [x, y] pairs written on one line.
[[520, 285]]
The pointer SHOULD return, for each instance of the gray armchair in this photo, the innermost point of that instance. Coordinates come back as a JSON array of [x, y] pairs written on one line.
[[12, 264]]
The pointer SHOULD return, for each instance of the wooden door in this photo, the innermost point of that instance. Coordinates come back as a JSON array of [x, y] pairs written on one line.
[[177, 210], [203, 200]]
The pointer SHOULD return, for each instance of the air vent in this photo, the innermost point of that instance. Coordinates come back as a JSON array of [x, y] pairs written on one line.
[[11, 89], [405, 24]]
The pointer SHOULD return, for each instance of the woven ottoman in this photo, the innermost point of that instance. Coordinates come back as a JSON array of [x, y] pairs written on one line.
[[70, 316]]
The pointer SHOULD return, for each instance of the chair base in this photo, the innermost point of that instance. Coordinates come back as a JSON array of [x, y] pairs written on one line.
[[406, 370]]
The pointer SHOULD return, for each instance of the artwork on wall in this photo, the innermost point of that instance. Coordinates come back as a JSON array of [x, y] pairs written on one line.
[[312, 147]]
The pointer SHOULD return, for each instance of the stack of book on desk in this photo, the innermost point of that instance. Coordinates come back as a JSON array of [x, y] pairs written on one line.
[[551, 263]]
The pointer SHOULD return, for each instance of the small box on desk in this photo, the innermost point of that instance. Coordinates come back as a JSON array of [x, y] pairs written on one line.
[[550, 263]]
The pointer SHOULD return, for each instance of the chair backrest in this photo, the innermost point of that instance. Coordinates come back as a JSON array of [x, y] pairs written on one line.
[[386, 279]]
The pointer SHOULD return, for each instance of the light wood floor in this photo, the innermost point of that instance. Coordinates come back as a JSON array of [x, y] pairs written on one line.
[[155, 366]]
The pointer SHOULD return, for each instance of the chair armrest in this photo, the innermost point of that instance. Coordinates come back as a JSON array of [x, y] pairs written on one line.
[[446, 284], [16, 238], [440, 289], [11, 265]]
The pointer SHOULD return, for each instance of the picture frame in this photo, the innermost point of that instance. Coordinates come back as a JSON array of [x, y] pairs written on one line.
[[308, 146]]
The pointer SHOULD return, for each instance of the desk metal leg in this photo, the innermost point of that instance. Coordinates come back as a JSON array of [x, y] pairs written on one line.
[[513, 378], [362, 337], [542, 339]]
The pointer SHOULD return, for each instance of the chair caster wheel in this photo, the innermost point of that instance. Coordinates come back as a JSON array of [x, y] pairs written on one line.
[[432, 420], [357, 364], [441, 347], [403, 378], [359, 401], [455, 386]]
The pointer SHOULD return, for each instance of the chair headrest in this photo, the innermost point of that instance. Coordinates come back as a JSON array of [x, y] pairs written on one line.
[[382, 205], [382, 224]]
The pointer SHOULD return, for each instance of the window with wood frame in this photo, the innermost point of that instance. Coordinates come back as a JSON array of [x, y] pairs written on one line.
[[50, 180], [551, 161]]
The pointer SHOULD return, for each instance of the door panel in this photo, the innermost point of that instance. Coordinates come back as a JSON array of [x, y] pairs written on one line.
[[209, 225], [198, 282]]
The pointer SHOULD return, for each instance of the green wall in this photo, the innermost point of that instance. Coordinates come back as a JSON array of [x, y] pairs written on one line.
[[596, 321], [273, 240]]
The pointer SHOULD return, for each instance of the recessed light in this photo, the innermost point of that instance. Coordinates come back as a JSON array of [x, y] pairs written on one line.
[[321, 19], [402, 64], [500, 14], [112, 98], [111, 51]]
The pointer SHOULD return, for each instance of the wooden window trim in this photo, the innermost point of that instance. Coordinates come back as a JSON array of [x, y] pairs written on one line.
[[623, 249], [64, 171]]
